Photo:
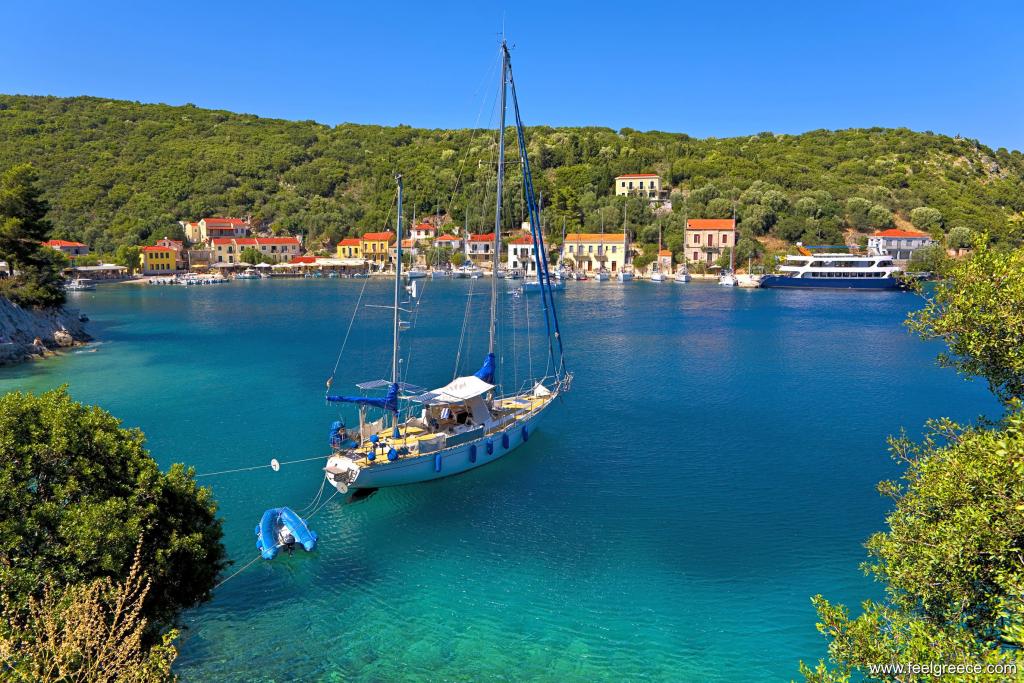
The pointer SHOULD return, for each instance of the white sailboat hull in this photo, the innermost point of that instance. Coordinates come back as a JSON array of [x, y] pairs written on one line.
[[657, 277], [446, 462], [625, 277]]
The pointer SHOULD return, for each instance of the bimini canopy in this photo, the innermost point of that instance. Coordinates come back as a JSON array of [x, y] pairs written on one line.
[[459, 390]]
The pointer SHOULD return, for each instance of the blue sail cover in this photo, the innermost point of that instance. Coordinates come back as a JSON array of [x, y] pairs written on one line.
[[486, 372], [389, 402]]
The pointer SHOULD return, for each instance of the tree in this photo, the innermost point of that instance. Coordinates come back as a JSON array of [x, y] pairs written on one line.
[[458, 258], [960, 237], [438, 255], [950, 560], [253, 256], [926, 218], [978, 310], [928, 259], [128, 256], [78, 493], [94, 632], [647, 256], [23, 228], [858, 212], [880, 217], [748, 248]]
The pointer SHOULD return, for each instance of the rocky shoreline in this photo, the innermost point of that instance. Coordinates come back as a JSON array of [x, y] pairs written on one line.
[[29, 333]]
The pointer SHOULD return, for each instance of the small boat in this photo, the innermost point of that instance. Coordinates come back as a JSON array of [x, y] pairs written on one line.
[[602, 275], [282, 528], [625, 276], [727, 279], [248, 274], [580, 276], [416, 272], [333, 274], [657, 276], [438, 273], [748, 280], [682, 275], [79, 284]]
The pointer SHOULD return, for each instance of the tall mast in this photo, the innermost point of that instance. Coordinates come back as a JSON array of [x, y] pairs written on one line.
[[497, 209], [398, 286]]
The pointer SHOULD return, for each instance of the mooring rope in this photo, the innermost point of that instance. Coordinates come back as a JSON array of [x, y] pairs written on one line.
[[260, 467]]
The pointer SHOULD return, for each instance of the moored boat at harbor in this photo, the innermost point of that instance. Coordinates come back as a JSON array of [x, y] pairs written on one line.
[[472, 420], [834, 270]]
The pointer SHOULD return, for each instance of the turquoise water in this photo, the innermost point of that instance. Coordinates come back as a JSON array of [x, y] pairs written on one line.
[[713, 467]]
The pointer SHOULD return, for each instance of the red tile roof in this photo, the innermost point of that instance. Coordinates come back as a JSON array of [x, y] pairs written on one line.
[[222, 221], [387, 235], [408, 244], [711, 224], [637, 175], [303, 259], [895, 232], [425, 227], [665, 252], [489, 237], [62, 243], [522, 239], [349, 242], [449, 238], [156, 249]]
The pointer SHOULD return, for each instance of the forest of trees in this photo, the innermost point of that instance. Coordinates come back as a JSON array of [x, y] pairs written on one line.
[[118, 173]]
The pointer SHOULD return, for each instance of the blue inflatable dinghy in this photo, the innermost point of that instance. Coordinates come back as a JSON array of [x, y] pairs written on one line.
[[282, 528]]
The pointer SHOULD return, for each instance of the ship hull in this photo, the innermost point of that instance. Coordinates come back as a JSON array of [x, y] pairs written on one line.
[[454, 460], [785, 282]]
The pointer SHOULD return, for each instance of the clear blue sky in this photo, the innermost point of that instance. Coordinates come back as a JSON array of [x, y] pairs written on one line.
[[707, 69]]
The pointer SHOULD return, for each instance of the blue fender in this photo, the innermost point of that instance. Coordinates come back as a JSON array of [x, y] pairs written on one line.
[[504, 440], [437, 462], [490, 447], [472, 452], [392, 454], [526, 435]]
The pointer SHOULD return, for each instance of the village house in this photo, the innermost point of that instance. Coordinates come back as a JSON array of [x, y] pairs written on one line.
[[423, 232], [157, 260], [179, 251], [900, 244], [586, 251], [409, 250], [520, 255], [207, 229], [374, 247], [70, 249], [198, 258], [349, 248], [276, 249], [665, 261], [639, 185], [453, 242], [480, 248], [706, 238]]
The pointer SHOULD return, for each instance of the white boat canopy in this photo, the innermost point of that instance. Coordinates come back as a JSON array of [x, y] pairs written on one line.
[[459, 390]]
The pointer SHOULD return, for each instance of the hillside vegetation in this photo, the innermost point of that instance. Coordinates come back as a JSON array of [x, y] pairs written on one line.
[[118, 173]]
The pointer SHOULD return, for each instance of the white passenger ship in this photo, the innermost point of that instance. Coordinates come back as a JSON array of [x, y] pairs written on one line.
[[836, 271]]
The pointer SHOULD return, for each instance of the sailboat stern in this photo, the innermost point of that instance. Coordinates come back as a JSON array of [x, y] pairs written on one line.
[[342, 472]]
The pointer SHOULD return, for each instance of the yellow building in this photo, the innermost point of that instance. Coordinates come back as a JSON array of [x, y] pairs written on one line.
[[157, 260], [639, 185], [374, 246], [585, 251], [350, 247]]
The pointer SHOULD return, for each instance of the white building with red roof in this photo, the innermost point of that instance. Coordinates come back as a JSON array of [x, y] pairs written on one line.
[[276, 249], [639, 185], [423, 232], [70, 249], [480, 248], [900, 244], [453, 242], [520, 255]]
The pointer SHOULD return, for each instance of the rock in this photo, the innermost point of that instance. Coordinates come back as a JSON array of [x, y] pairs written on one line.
[[63, 338], [26, 332]]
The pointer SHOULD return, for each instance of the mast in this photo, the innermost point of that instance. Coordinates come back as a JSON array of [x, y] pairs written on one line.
[[398, 286], [497, 204]]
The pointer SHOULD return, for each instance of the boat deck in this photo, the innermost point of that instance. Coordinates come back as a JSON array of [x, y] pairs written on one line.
[[507, 411]]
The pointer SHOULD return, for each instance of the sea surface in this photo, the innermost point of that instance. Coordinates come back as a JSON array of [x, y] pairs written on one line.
[[713, 467]]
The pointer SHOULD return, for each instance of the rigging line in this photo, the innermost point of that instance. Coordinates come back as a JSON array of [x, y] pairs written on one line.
[[316, 498], [247, 565], [260, 467], [529, 342], [412, 326], [351, 322], [462, 334]]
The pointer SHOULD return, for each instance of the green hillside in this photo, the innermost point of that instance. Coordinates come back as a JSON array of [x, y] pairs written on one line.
[[118, 172]]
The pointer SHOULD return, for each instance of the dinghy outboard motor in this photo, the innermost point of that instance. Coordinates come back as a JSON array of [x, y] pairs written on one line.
[[282, 528]]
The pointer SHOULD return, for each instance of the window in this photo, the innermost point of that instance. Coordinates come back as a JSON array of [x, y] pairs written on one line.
[[631, 184], [623, 183], [696, 239], [613, 248], [725, 239], [641, 184], [711, 238], [696, 256], [590, 249]]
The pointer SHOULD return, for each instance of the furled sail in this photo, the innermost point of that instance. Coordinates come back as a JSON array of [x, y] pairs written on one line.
[[389, 402], [486, 372]]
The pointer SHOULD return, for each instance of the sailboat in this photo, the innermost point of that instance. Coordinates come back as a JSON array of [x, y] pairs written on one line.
[[602, 272], [625, 275], [656, 274], [683, 271], [728, 277], [471, 421]]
